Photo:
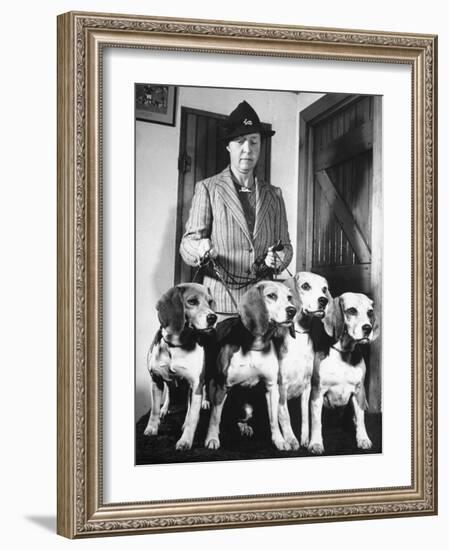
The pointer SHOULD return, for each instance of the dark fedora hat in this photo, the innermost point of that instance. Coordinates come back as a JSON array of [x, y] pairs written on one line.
[[243, 120]]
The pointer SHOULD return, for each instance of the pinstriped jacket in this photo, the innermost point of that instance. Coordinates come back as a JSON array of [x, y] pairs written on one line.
[[216, 213]]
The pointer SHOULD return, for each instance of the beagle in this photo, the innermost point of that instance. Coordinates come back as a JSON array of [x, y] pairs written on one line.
[[186, 314], [296, 353], [246, 353], [339, 374]]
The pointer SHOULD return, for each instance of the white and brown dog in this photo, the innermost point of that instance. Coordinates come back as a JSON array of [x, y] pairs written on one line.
[[186, 313], [296, 352], [246, 353], [339, 375]]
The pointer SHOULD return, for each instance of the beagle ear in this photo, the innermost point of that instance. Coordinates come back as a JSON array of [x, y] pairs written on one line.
[[376, 327], [292, 284], [292, 331], [213, 305], [333, 321], [170, 310], [253, 311]]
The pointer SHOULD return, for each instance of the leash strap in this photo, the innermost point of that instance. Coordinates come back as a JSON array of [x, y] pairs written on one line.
[[244, 282], [279, 258], [207, 260], [218, 274]]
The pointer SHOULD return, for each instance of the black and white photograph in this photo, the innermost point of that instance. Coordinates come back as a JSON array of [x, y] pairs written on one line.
[[258, 276], [247, 287]]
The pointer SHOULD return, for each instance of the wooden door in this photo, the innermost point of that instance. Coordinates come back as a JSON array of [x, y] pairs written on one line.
[[342, 194], [342, 190], [203, 154]]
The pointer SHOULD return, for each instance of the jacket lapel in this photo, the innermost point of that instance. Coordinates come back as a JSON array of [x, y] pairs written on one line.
[[229, 196], [264, 200]]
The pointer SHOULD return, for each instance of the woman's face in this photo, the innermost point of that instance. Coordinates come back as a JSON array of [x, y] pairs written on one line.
[[244, 152]]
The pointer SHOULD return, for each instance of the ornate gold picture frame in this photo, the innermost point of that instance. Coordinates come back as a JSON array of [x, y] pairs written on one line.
[[83, 39]]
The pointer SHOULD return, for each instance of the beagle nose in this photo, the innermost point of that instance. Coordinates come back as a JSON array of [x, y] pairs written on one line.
[[211, 319], [291, 312], [367, 329], [322, 301]]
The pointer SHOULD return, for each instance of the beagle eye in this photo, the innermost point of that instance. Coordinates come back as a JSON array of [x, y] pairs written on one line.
[[370, 313], [324, 289], [289, 298], [193, 301], [351, 311], [272, 296], [305, 286]]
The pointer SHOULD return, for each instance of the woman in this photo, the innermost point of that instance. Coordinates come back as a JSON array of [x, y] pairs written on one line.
[[236, 219]]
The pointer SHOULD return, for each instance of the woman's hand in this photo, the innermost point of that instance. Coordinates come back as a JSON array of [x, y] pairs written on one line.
[[205, 247], [273, 259]]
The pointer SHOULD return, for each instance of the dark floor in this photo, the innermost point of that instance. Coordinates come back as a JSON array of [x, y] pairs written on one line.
[[338, 434]]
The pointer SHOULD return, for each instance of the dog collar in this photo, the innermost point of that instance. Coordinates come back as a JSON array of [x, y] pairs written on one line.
[[196, 338], [343, 350], [262, 348], [339, 350], [171, 345], [186, 344]]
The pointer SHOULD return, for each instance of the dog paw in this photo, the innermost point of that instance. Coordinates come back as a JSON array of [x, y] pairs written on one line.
[[245, 429], [213, 443], [364, 443], [292, 443], [205, 405], [183, 445], [151, 429], [281, 444], [316, 448], [304, 442]]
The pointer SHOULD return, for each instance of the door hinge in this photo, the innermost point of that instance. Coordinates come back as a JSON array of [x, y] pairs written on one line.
[[184, 163]]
